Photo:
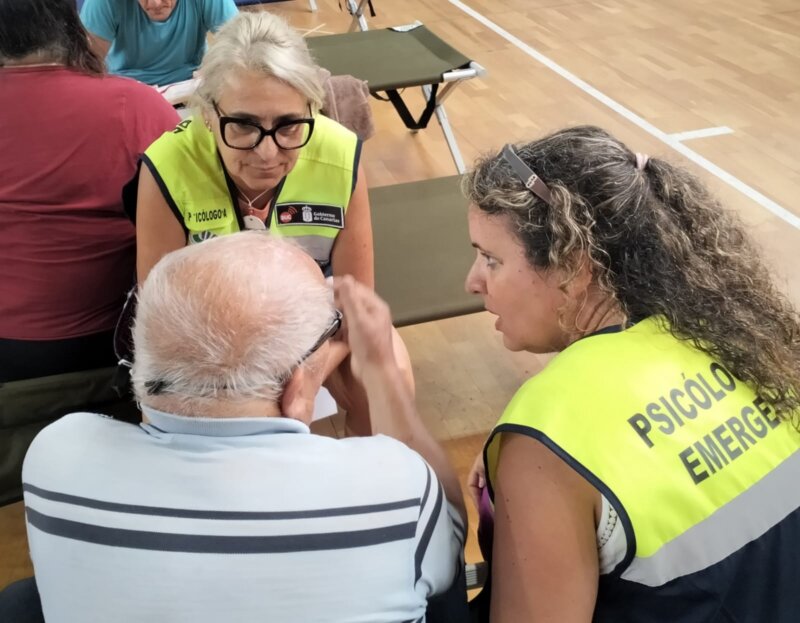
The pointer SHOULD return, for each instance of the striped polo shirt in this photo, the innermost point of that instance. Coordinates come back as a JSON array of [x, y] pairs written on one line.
[[236, 519]]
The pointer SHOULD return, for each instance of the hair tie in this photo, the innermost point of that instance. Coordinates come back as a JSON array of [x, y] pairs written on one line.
[[641, 161]]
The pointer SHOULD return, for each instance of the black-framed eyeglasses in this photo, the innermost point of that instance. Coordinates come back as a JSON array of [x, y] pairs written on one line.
[[529, 179], [239, 133], [161, 386]]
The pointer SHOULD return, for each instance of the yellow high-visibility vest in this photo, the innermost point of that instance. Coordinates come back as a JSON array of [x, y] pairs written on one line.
[[310, 204], [703, 474]]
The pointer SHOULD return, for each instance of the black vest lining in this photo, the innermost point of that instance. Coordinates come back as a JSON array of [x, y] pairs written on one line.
[[356, 160], [164, 191], [588, 475]]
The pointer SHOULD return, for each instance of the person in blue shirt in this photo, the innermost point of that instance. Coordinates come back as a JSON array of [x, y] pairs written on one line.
[[154, 41]]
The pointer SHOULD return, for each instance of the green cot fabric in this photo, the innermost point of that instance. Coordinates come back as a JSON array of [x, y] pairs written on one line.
[[387, 59], [26, 407], [422, 250]]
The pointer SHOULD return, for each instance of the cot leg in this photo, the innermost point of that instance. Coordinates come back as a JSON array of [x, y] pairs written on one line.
[[450, 137], [447, 130], [356, 9]]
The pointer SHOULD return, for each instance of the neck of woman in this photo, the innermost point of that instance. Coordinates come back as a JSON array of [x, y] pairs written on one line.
[[250, 200], [598, 311]]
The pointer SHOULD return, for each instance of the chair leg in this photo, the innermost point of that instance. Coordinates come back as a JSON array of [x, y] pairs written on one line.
[[312, 4]]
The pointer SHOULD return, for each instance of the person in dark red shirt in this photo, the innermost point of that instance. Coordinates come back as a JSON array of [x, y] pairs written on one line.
[[70, 139]]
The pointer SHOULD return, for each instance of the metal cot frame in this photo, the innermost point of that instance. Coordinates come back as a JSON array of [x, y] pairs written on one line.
[[380, 58]]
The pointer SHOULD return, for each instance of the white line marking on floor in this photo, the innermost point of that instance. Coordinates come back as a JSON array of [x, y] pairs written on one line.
[[315, 29], [631, 116], [702, 133]]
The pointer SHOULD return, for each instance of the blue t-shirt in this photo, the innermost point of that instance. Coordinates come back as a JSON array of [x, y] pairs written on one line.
[[155, 52]]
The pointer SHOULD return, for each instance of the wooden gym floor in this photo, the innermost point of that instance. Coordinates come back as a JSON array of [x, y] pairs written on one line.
[[660, 69]]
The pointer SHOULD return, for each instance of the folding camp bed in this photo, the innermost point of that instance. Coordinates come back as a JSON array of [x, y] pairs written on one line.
[[26, 407], [392, 59], [356, 9], [422, 256], [422, 250], [312, 4]]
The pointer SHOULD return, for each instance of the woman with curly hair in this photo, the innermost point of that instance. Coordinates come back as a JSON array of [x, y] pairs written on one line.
[[649, 472]]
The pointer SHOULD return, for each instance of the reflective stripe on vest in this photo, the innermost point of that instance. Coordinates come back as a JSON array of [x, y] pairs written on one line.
[[775, 496], [189, 172], [675, 442]]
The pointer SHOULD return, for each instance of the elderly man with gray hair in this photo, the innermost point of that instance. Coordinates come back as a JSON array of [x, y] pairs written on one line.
[[222, 506]]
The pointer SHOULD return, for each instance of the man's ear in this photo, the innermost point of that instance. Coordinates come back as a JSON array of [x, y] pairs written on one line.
[[294, 401]]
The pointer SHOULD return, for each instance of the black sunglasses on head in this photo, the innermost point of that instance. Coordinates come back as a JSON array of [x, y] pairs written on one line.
[[530, 180]]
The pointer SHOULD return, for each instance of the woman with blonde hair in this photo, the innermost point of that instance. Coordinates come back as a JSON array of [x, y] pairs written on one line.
[[257, 154], [649, 472]]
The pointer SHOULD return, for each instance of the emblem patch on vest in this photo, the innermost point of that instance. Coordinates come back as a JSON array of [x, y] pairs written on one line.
[[200, 236], [310, 214]]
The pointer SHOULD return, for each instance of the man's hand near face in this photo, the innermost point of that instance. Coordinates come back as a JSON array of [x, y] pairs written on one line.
[[368, 327]]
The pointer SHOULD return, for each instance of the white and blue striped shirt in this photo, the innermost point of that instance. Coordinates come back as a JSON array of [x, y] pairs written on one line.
[[245, 519]]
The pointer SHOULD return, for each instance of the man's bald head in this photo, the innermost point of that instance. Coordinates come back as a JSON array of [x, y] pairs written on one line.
[[228, 319]]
